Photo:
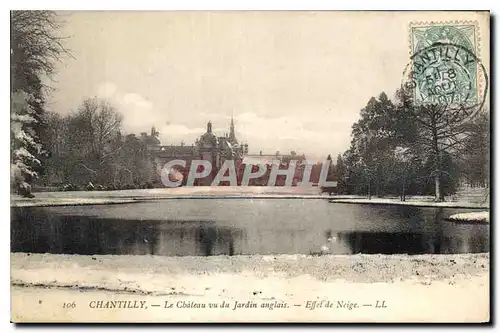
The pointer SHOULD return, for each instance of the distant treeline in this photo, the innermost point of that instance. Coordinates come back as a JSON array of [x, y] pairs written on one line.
[[401, 149], [86, 151]]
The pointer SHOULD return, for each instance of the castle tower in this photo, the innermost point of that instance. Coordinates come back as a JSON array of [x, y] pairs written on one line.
[[154, 132], [232, 135]]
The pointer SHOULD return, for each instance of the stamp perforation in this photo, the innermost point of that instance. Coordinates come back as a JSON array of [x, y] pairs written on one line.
[[477, 35], [480, 83]]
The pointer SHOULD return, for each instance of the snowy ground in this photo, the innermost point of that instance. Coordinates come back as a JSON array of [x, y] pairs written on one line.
[[127, 196], [412, 201], [471, 217], [436, 288], [264, 192]]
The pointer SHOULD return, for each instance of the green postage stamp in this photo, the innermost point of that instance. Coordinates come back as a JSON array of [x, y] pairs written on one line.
[[445, 67]]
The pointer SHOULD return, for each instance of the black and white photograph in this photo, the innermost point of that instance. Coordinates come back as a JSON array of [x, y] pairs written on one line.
[[250, 166]]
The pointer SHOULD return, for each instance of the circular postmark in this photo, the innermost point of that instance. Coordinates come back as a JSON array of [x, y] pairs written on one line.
[[448, 76]]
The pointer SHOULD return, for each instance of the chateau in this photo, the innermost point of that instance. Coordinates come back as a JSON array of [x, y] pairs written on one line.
[[208, 146], [216, 149]]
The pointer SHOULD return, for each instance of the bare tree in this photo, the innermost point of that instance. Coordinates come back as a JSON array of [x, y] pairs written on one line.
[[88, 146], [35, 45], [442, 130], [92, 129]]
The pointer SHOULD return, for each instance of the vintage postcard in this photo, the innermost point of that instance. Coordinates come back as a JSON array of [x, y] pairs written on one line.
[[250, 166]]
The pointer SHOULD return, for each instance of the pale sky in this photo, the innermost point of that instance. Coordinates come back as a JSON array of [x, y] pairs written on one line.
[[292, 80]]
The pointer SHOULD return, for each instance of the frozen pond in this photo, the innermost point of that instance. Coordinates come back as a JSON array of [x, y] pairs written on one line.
[[203, 227]]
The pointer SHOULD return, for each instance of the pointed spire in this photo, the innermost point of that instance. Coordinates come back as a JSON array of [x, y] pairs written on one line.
[[232, 135]]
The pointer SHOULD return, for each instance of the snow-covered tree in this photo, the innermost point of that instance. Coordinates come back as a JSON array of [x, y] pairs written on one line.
[[35, 47], [24, 145]]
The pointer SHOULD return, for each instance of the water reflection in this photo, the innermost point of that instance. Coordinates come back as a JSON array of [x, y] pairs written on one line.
[[427, 232], [46, 233], [265, 227], [412, 243]]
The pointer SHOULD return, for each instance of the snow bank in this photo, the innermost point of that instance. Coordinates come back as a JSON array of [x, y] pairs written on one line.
[[223, 192], [67, 202], [420, 202], [198, 192], [471, 217]]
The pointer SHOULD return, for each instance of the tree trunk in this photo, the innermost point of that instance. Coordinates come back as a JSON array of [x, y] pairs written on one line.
[[437, 182], [369, 188], [403, 195], [437, 169]]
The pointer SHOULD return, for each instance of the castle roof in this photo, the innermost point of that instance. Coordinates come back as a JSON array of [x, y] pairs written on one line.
[[177, 150]]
